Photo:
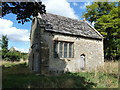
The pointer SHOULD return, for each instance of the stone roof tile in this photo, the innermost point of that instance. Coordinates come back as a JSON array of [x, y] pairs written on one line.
[[61, 24]]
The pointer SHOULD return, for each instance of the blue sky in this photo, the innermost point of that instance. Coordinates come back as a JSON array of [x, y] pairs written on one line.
[[18, 34]]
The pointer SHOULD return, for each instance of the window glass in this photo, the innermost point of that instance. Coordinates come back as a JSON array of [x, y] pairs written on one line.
[[60, 49], [56, 49], [70, 50], [65, 50]]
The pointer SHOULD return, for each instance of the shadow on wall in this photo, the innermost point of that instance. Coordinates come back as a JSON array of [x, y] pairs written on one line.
[[48, 51], [62, 67]]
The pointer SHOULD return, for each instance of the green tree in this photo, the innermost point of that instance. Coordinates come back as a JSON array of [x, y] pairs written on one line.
[[4, 46], [106, 19], [7, 54], [23, 10], [109, 27], [13, 56], [4, 42], [97, 9]]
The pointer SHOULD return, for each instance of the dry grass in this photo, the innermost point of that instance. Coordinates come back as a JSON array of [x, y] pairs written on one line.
[[109, 68], [9, 63], [103, 77], [107, 75]]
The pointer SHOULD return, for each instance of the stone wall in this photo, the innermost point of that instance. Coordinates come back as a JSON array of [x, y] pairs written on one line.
[[91, 48], [41, 55]]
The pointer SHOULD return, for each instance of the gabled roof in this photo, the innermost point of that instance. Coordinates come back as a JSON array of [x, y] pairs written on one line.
[[64, 25]]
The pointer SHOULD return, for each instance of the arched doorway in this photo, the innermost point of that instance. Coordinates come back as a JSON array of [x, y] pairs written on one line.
[[82, 60]]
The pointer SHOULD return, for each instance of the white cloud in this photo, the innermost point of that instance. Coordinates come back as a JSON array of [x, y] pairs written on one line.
[[75, 4], [60, 7], [22, 49], [84, 5], [14, 34]]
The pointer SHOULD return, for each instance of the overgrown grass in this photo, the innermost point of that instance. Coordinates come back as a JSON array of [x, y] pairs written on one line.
[[10, 64], [107, 76], [19, 76]]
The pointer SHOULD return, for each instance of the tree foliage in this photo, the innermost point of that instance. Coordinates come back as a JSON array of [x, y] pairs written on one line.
[[109, 27], [23, 10], [97, 9], [13, 56], [106, 18], [10, 55], [4, 45]]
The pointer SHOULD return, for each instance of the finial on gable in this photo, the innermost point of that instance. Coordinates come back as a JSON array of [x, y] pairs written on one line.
[[84, 19], [39, 16]]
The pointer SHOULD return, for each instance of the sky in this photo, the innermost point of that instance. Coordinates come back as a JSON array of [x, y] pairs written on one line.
[[18, 34]]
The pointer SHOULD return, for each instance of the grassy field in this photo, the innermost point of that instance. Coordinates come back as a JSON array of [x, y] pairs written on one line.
[[17, 75]]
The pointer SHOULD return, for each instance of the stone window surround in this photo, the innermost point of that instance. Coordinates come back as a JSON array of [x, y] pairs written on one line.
[[72, 50]]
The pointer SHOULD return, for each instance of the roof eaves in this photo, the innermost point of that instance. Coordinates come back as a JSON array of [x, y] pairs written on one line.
[[72, 34]]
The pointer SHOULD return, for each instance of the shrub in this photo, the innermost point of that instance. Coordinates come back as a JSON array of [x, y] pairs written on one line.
[[24, 56], [12, 56]]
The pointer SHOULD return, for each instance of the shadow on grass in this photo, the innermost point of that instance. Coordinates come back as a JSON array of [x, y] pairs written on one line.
[[114, 75], [19, 76]]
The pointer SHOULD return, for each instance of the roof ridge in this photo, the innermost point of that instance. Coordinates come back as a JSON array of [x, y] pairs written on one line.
[[65, 17]]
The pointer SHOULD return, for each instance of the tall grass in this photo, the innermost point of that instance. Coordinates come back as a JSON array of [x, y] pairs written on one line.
[[109, 67], [10, 64], [107, 75], [17, 75]]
